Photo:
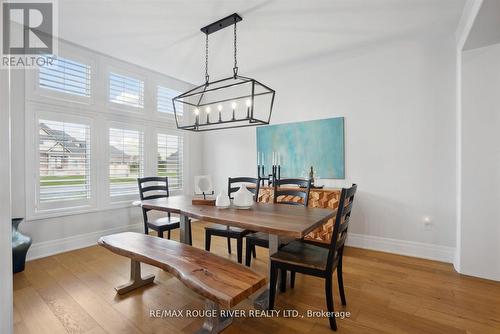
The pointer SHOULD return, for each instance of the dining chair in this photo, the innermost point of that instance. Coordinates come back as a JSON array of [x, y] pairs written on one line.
[[309, 259], [230, 232], [298, 194], [152, 188]]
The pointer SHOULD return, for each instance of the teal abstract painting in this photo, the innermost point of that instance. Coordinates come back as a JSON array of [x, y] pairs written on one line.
[[300, 145]]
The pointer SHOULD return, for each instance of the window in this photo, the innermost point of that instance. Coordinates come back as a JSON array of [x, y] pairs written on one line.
[[66, 76], [126, 90], [64, 161], [126, 161], [170, 159], [164, 98]]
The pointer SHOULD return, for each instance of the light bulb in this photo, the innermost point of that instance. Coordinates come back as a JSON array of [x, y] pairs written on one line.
[[248, 103], [219, 107], [196, 111], [234, 105], [208, 110]]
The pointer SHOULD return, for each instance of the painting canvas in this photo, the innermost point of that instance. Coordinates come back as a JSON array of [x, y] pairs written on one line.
[[318, 143]]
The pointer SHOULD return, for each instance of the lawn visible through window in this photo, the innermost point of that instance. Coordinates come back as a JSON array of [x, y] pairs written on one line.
[[170, 152], [64, 161], [125, 161]]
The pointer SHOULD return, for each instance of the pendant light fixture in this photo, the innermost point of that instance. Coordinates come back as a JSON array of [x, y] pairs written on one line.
[[232, 102]]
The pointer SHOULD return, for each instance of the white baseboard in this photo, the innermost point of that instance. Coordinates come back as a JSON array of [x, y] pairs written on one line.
[[52, 247], [402, 247]]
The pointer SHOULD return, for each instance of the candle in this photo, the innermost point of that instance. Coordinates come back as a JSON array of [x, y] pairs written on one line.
[[258, 158], [233, 105], [248, 103], [197, 112], [219, 107], [207, 110], [278, 158]]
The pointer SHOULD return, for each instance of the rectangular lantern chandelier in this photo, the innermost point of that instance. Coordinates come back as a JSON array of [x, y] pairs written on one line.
[[232, 102]]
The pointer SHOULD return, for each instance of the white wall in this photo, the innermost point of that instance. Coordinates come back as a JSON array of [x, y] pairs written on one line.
[[5, 212], [58, 234], [480, 227], [397, 97]]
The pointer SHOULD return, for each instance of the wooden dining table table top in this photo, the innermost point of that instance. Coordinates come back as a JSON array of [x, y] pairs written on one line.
[[294, 221]]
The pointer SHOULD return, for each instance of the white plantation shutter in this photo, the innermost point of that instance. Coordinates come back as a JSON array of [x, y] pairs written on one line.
[[164, 98], [170, 159], [67, 76], [64, 161], [126, 90], [126, 161]]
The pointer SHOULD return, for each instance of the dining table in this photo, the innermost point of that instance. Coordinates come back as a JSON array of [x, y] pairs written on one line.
[[278, 220]]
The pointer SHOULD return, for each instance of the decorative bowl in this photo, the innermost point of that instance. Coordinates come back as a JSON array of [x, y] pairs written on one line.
[[243, 198]]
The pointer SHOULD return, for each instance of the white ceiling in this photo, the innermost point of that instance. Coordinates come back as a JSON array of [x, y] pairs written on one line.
[[165, 35]]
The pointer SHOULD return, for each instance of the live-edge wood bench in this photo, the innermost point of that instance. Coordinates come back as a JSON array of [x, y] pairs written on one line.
[[222, 282]]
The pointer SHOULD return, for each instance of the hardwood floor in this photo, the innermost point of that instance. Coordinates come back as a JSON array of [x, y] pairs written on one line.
[[73, 293]]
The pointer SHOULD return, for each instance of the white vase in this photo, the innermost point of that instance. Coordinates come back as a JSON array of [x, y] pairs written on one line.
[[222, 201], [243, 198]]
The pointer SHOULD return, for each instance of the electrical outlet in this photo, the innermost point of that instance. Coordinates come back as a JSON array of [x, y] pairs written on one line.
[[428, 224]]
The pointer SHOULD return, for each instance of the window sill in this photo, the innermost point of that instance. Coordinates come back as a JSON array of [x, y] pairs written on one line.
[[46, 214], [124, 203]]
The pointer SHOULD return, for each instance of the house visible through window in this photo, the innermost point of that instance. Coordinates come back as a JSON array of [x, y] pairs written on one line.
[[64, 161], [164, 98], [126, 161], [66, 76], [126, 90], [170, 157]]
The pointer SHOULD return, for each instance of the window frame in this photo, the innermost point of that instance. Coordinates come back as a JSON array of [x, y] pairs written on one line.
[[102, 115], [124, 109], [123, 199], [171, 83], [169, 117], [33, 206], [69, 53], [171, 132]]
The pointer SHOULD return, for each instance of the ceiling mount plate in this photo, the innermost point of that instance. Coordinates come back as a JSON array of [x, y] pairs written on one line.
[[221, 24]]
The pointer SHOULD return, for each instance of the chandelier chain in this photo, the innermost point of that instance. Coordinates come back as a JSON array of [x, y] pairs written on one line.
[[235, 68], [206, 60]]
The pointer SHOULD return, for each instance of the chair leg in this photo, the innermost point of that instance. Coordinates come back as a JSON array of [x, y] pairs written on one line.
[[292, 279], [208, 239], [229, 245], [329, 302], [160, 233], [273, 278], [168, 235], [239, 249], [190, 233], [146, 229], [254, 252], [341, 281], [248, 253], [283, 280]]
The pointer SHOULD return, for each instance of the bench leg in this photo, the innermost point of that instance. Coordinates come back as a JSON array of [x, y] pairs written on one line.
[[216, 324], [136, 281]]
